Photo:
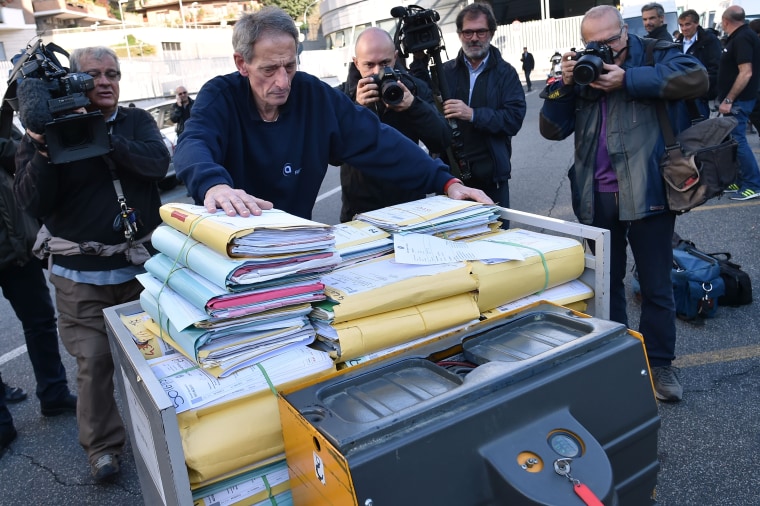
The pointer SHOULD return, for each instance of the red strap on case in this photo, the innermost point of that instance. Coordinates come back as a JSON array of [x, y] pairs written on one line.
[[586, 495]]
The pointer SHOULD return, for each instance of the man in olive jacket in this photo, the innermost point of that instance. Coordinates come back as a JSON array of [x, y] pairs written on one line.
[[616, 181]]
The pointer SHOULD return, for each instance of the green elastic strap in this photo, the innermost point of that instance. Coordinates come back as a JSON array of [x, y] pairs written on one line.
[[269, 490], [540, 254], [274, 391], [266, 377], [172, 270]]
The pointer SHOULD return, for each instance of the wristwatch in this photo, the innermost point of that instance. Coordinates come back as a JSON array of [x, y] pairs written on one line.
[[728, 101]]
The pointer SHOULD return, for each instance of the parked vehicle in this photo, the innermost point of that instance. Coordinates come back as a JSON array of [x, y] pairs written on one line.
[[162, 114]]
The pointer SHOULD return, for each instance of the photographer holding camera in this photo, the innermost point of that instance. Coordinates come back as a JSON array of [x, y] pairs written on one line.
[[100, 213], [401, 101], [615, 181], [487, 101]]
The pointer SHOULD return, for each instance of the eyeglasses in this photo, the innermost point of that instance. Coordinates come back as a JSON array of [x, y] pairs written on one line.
[[481, 32], [609, 41], [182, 93], [111, 75]]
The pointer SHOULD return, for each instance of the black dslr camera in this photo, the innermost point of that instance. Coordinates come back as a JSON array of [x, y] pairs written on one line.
[[591, 62], [47, 95], [387, 82], [417, 29]]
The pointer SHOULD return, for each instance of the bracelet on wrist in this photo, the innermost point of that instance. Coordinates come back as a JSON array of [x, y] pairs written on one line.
[[449, 183]]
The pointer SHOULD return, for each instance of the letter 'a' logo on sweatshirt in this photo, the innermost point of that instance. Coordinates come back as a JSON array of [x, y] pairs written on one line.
[[288, 170]]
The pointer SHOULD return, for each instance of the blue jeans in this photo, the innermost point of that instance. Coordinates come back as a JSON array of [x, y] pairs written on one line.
[[749, 174], [651, 244], [27, 291]]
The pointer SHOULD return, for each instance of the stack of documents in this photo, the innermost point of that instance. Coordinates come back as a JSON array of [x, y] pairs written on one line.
[[548, 261], [380, 303], [240, 293], [572, 294], [437, 215], [357, 241], [274, 232], [268, 485]]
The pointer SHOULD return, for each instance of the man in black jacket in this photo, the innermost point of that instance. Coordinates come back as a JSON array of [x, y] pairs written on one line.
[[488, 103], [414, 115], [706, 47], [24, 285], [181, 110], [528, 63], [103, 201], [653, 17]]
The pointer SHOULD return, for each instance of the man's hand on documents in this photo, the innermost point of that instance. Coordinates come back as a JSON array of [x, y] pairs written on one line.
[[234, 202], [458, 191]]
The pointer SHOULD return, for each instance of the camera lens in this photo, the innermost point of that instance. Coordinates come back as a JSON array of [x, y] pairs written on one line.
[[392, 93], [588, 69]]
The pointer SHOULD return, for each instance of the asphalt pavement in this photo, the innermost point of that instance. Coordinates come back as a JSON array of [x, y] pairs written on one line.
[[708, 443]]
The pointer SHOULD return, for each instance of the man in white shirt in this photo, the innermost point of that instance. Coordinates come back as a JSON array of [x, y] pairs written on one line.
[[704, 46]]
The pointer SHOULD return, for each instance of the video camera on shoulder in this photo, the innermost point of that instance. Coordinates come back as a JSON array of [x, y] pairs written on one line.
[[591, 62], [46, 96], [417, 29]]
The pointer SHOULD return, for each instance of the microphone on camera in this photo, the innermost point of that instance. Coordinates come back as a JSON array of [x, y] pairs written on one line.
[[398, 12], [33, 109]]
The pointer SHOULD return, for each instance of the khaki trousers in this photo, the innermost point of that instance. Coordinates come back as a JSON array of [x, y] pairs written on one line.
[[82, 329]]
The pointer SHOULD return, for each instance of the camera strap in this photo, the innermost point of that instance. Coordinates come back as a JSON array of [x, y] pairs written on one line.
[[127, 217]]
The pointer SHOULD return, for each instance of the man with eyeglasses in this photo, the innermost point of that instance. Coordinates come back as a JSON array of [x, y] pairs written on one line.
[[615, 180], [487, 101], [89, 207], [181, 110]]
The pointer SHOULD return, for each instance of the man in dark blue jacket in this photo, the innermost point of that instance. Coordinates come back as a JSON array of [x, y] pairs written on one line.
[[615, 180], [264, 136], [412, 112], [487, 102]]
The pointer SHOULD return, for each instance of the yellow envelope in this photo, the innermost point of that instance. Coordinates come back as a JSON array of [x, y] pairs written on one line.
[[550, 261], [223, 438], [218, 230], [362, 336], [380, 285]]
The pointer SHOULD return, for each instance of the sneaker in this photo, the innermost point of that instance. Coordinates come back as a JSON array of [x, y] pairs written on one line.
[[745, 195], [106, 467], [732, 188], [667, 388]]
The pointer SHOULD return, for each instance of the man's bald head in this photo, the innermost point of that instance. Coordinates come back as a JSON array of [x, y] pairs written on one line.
[[374, 50]]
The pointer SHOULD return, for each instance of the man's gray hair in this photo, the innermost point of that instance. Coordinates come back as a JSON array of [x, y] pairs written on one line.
[[654, 6], [251, 27], [601, 11], [96, 52]]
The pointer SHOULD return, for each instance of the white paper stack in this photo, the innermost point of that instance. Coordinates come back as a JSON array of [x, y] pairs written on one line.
[[437, 215], [241, 295]]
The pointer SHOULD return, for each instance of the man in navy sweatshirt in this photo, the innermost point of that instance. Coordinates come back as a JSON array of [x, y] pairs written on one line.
[[264, 136]]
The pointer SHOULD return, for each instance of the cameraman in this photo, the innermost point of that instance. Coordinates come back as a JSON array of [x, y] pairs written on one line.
[[616, 182], [77, 202], [488, 102], [415, 116]]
